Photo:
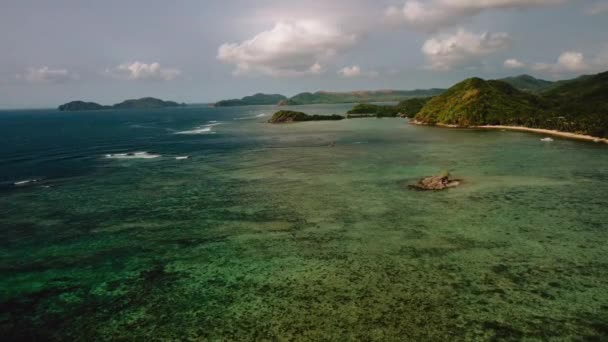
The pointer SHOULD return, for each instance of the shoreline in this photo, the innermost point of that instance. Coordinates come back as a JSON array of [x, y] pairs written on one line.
[[551, 132], [561, 134]]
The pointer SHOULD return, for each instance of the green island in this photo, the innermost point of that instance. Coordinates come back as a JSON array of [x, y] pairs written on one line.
[[286, 116], [577, 106], [142, 103], [405, 108], [253, 100], [327, 97]]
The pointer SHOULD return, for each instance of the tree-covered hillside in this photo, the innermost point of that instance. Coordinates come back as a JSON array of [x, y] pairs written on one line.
[[528, 83], [579, 106], [478, 102]]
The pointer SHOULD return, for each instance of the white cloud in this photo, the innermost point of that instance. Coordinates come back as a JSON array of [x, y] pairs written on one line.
[[143, 71], [569, 61], [46, 75], [432, 15], [461, 48], [352, 71], [356, 71], [513, 63], [572, 61], [291, 48], [597, 8]]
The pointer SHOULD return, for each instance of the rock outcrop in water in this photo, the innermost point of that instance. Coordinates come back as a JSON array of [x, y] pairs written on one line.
[[441, 182], [287, 116]]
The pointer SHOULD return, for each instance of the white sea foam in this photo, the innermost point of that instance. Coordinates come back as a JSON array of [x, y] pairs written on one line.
[[132, 155], [205, 129], [547, 139], [251, 117], [201, 130], [26, 182]]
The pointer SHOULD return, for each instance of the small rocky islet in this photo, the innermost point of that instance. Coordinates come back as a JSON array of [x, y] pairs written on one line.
[[436, 183]]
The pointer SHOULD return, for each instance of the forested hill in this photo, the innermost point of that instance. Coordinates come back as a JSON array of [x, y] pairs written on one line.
[[143, 103], [579, 105], [528, 83], [325, 97]]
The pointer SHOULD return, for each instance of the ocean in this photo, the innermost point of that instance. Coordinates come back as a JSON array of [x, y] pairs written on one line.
[[211, 224]]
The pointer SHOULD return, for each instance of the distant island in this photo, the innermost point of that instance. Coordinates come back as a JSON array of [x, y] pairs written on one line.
[[325, 97], [253, 100], [406, 108], [143, 103], [287, 116], [579, 106]]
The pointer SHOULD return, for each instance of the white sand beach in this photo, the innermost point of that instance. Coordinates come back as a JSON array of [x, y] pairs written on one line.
[[548, 132]]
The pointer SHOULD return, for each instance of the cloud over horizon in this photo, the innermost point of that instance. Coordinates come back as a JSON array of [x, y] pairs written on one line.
[[513, 63], [462, 48], [433, 15], [568, 62], [46, 75], [138, 71], [356, 71], [292, 48]]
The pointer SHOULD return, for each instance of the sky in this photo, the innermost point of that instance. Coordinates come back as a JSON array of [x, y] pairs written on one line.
[[52, 52]]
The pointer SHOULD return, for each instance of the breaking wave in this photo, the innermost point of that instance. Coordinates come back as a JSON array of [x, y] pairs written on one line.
[[204, 129], [132, 155]]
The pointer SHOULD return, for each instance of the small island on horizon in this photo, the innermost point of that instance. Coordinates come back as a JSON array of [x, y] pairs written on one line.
[[142, 103], [330, 97]]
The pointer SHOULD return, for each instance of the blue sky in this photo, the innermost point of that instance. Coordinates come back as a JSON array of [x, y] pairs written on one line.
[[203, 51]]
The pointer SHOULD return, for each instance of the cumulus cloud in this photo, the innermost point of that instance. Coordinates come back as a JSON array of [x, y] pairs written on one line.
[[513, 63], [432, 15], [461, 48], [46, 75], [142, 71], [569, 61], [356, 71], [291, 48], [352, 71], [597, 8]]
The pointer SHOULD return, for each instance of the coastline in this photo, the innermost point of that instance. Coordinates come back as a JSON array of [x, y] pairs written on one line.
[[551, 132], [562, 134]]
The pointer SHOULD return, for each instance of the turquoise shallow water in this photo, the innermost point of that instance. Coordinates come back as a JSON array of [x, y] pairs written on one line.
[[267, 233]]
